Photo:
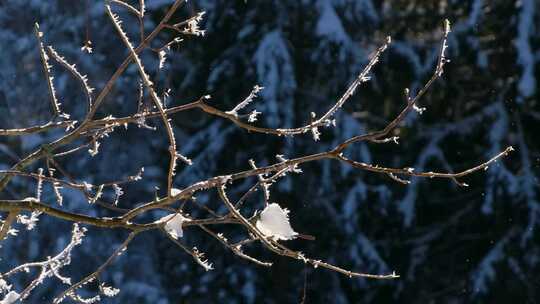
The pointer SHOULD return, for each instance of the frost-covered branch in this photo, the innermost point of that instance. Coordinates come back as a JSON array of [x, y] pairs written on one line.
[[272, 244], [157, 101], [48, 75], [392, 172], [49, 267], [86, 123], [411, 102], [83, 79], [325, 120], [235, 248], [72, 290]]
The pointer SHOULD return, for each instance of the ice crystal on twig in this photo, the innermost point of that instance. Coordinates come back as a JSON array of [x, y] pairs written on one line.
[[87, 47], [192, 26], [48, 75], [83, 79], [246, 101], [29, 221], [201, 260], [118, 192]]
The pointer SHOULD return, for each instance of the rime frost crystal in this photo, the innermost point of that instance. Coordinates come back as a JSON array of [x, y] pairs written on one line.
[[201, 260], [29, 222], [253, 116], [87, 47], [193, 25], [274, 222], [247, 101], [117, 193], [109, 291]]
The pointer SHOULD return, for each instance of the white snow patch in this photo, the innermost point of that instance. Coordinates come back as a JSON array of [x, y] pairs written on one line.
[[175, 191], [274, 222], [173, 224], [10, 298]]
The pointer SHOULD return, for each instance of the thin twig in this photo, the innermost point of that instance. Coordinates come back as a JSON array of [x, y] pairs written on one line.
[[71, 290], [157, 101], [47, 70], [284, 251], [411, 172], [73, 135], [236, 249], [83, 79]]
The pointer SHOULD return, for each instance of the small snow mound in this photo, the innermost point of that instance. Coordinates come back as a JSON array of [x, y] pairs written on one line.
[[274, 222], [173, 224], [10, 298], [175, 191]]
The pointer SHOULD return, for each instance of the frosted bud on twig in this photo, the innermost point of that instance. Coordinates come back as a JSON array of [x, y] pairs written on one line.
[[175, 191], [253, 116], [57, 187], [162, 57], [95, 148], [316, 134], [108, 291], [39, 187], [193, 25], [29, 222], [201, 260], [418, 109], [184, 159], [256, 89], [98, 194], [87, 47], [117, 193], [139, 174]]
